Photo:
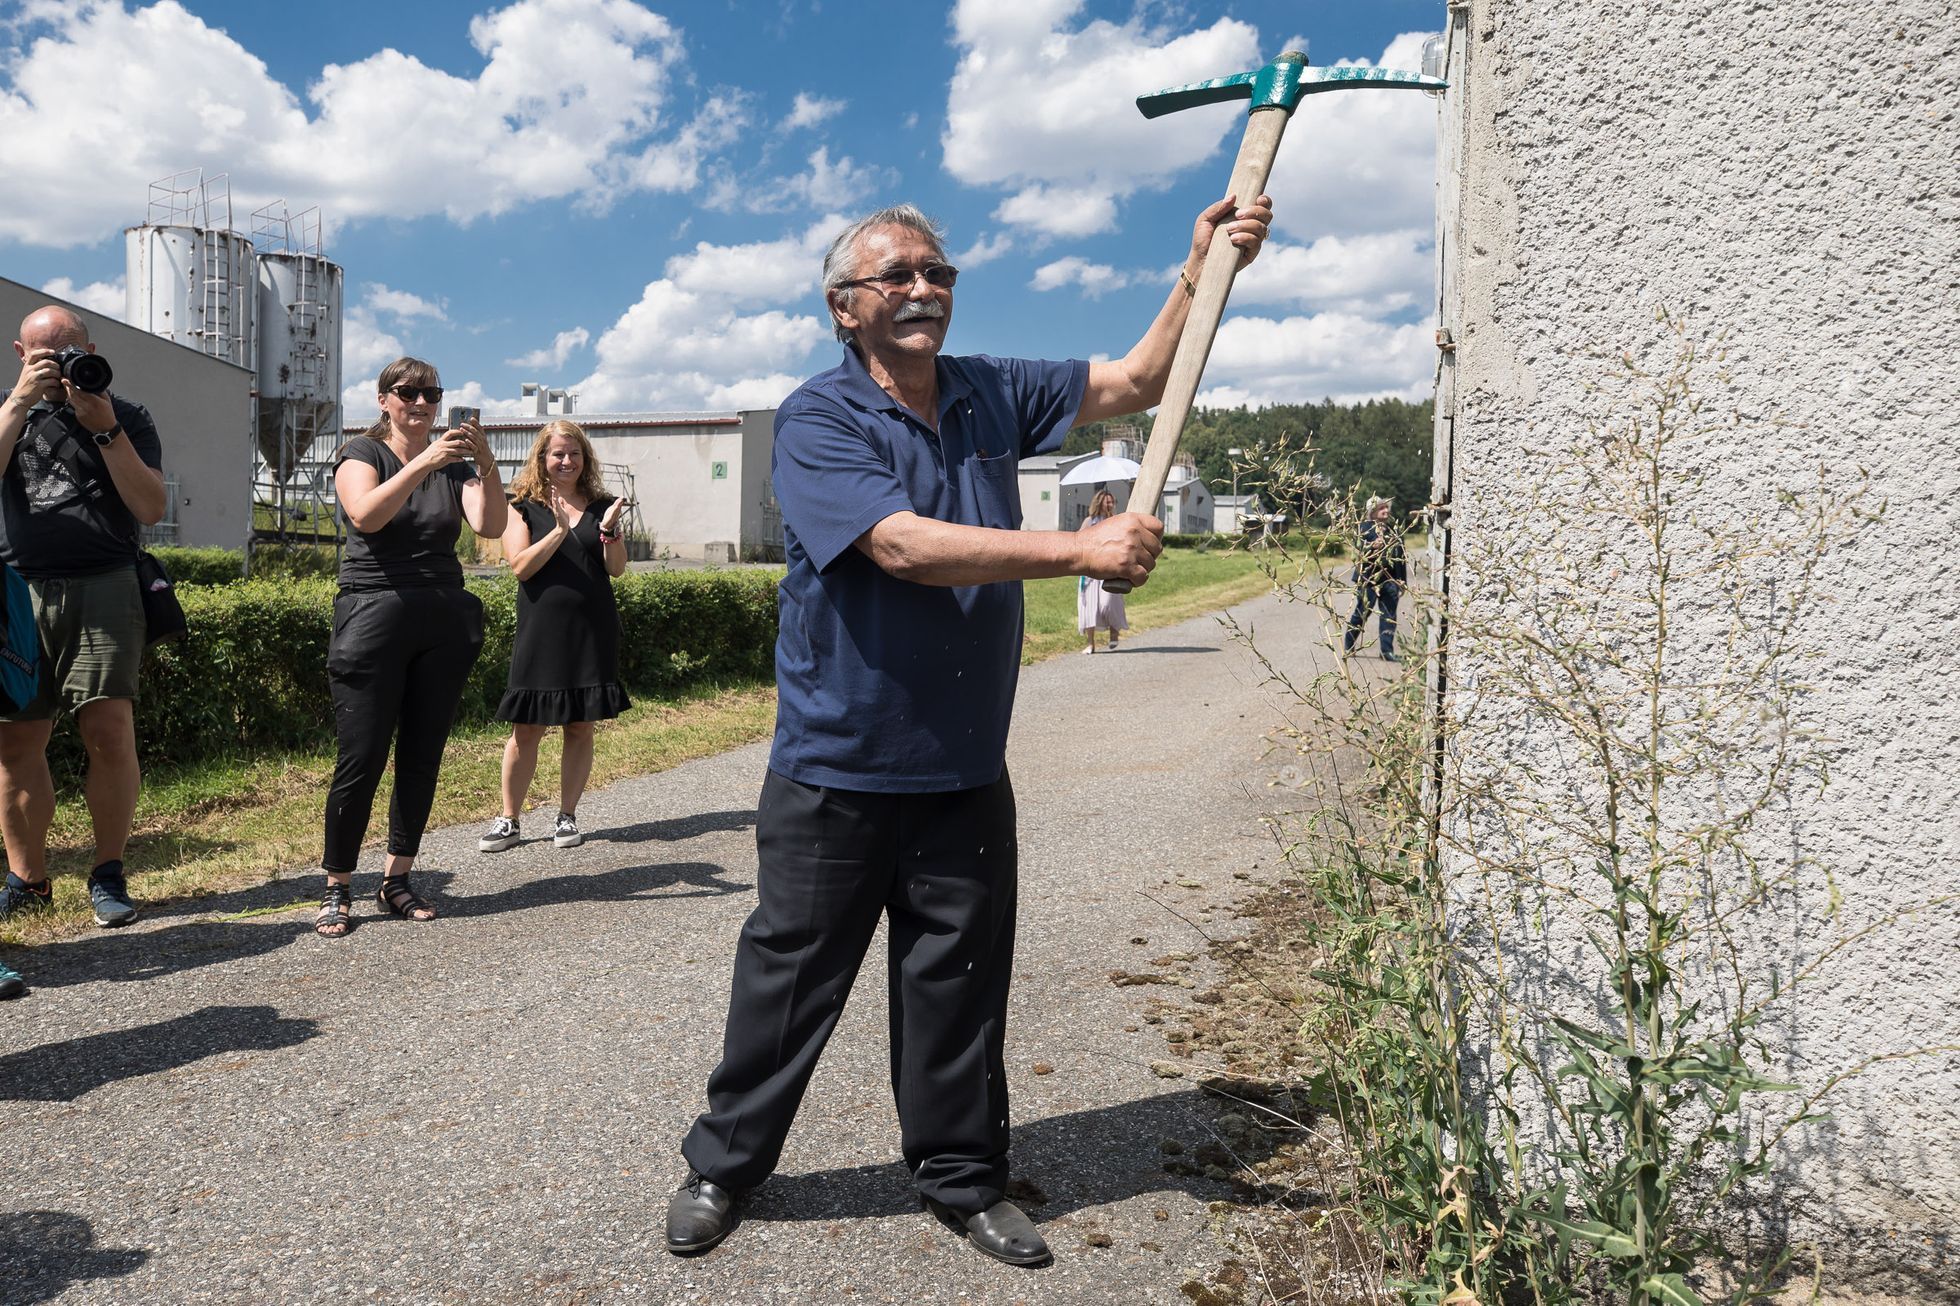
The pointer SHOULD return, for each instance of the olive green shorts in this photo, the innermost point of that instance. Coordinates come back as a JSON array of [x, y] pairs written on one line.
[[92, 634]]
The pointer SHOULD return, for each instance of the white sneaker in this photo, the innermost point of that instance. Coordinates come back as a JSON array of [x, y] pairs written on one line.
[[501, 835], [566, 835]]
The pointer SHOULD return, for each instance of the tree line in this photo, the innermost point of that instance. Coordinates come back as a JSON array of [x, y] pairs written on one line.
[[1379, 447]]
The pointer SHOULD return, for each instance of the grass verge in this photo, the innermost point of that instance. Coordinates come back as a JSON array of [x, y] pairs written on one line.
[[225, 824]]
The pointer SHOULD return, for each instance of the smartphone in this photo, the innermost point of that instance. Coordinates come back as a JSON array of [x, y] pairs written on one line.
[[459, 415]]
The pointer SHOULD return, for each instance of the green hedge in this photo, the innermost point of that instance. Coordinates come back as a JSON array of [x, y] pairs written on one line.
[[202, 566], [227, 566], [252, 675]]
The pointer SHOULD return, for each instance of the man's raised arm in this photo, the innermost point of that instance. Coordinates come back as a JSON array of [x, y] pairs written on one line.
[[1136, 381]]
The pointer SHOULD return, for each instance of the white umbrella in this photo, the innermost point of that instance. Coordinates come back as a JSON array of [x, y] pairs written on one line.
[[1103, 467]]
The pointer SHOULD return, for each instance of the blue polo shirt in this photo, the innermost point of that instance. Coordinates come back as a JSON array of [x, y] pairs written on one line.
[[883, 684]]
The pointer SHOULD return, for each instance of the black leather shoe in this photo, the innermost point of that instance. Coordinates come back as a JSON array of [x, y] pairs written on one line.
[[1002, 1231], [699, 1215]]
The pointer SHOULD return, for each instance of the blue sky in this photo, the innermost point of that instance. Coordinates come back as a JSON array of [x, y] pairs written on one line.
[[632, 199]]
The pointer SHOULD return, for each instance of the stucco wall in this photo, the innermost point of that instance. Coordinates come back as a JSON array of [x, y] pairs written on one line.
[[682, 501], [1783, 175], [202, 407]]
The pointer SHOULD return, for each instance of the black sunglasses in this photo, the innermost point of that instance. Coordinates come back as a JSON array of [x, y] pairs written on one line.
[[431, 394], [940, 276]]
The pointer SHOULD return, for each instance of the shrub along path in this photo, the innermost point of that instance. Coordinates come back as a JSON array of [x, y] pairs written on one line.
[[215, 1105]]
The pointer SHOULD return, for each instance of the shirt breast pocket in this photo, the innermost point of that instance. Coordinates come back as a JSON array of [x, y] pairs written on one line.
[[996, 489]]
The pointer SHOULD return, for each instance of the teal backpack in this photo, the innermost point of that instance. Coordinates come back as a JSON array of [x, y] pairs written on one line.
[[20, 641]]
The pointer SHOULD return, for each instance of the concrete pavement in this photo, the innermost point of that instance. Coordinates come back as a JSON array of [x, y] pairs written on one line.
[[219, 1107]]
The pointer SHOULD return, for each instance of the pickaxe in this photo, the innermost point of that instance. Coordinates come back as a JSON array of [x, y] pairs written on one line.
[[1274, 91]]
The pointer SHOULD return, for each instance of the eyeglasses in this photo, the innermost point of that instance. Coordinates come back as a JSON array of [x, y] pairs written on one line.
[[431, 394], [940, 276]]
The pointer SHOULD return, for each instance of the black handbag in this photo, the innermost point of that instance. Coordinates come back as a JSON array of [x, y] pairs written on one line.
[[163, 615]]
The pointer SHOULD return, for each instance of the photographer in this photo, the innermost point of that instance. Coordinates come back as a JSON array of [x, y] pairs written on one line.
[[82, 471], [405, 631]]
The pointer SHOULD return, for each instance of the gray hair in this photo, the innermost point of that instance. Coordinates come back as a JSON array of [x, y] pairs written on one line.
[[840, 260]]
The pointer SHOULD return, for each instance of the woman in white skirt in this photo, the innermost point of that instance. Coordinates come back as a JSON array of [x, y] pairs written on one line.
[[1094, 606]]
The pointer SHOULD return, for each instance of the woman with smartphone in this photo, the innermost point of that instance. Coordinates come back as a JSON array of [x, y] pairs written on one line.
[[565, 544], [405, 631]]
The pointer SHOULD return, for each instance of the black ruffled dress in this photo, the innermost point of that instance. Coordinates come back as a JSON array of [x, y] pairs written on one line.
[[564, 662]]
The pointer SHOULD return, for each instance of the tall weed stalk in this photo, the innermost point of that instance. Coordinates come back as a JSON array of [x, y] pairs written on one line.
[[1547, 987]]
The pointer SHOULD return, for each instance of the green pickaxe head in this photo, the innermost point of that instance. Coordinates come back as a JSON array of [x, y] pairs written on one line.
[[1279, 85]]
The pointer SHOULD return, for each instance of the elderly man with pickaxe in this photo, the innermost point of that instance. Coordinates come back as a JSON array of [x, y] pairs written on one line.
[[899, 648]]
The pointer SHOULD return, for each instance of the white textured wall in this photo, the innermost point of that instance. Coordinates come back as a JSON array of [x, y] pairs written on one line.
[[1784, 173], [680, 501]]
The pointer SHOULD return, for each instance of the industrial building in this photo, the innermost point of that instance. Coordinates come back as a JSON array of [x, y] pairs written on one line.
[[233, 344], [203, 409], [701, 480], [1049, 505]]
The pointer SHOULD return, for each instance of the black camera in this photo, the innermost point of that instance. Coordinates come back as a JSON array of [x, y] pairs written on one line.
[[87, 372]]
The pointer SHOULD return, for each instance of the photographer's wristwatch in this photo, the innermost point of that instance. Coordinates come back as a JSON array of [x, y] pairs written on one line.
[[108, 437]]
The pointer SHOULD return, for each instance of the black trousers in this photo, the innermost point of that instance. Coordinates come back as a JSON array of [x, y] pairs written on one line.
[[942, 868], [398, 658]]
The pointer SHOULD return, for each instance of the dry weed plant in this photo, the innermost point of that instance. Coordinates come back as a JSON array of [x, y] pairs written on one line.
[[1556, 922]]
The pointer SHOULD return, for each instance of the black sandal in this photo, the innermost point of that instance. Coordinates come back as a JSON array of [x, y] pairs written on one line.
[[397, 897], [336, 914]]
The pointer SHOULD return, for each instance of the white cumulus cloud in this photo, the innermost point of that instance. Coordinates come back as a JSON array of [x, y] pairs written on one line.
[[1359, 160], [569, 102], [1095, 279], [809, 110], [713, 332], [1376, 275], [1044, 107], [984, 250], [562, 346], [104, 297], [825, 184], [402, 304], [1262, 360]]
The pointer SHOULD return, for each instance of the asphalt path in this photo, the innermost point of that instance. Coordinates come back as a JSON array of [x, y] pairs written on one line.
[[214, 1105]]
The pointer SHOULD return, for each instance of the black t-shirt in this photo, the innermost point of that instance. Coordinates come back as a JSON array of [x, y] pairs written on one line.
[[417, 548], [52, 524]]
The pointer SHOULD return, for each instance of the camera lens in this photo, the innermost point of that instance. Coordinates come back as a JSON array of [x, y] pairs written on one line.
[[88, 372]]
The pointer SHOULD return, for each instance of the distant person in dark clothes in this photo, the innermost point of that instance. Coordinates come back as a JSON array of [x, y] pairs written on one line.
[[83, 472], [405, 631], [899, 647], [565, 546], [1380, 572]]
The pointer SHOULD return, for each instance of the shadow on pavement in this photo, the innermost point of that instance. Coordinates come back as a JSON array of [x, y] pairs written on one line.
[[42, 1253], [1074, 1161], [62, 1072], [137, 955], [1121, 649], [679, 827], [146, 954], [703, 880]]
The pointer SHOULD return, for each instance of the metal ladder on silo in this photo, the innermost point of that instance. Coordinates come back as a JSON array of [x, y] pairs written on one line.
[[214, 332]]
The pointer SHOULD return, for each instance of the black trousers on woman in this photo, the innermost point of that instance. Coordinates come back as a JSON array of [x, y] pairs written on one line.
[[399, 658], [942, 867]]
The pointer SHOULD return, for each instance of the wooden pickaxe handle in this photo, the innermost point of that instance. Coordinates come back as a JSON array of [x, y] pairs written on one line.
[[1263, 129]]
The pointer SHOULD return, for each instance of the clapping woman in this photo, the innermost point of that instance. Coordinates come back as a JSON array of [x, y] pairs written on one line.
[[1095, 607], [405, 631], [564, 543]]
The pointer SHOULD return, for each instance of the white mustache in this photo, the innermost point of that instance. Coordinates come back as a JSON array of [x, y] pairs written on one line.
[[913, 309]]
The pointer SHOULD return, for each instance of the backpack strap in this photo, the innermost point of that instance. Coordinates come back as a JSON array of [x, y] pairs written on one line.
[[62, 425]]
